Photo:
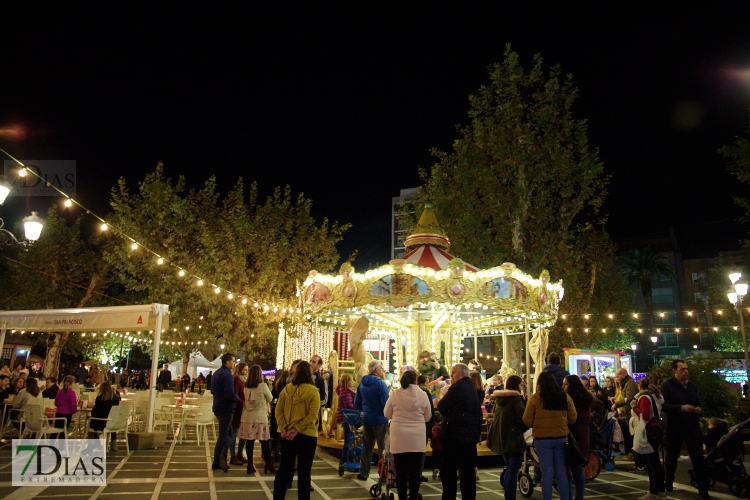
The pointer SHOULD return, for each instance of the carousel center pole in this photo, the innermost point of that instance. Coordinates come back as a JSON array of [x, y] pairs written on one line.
[[529, 388]]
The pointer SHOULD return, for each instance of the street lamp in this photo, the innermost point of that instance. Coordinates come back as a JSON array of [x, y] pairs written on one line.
[[654, 340], [735, 297], [32, 227], [633, 347], [4, 191]]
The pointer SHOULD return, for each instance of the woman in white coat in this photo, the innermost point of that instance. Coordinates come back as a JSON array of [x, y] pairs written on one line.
[[408, 409], [254, 420]]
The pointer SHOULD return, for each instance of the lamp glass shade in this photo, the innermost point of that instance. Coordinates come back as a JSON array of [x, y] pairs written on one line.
[[734, 277], [741, 289], [4, 192], [32, 226], [633, 347], [654, 339], [732, 296]]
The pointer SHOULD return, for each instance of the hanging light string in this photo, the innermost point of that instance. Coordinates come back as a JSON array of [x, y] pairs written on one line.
[[638, 315], [258, 305]]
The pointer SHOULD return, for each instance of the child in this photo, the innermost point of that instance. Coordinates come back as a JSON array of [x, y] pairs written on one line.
[[717, 427], [345, 391], [436, 444]]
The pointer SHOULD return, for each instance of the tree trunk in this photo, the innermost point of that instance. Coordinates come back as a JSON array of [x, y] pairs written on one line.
[[185, 362], [648, 299], [592, 285], [56, 341], [523, 206]]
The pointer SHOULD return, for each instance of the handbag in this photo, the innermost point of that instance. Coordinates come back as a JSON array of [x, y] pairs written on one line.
[[573, 454], [640, 439]]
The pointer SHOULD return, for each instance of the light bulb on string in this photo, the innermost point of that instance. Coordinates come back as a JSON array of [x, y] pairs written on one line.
[[103, 227], [68, 203], [134, 246], [160, 261], [22, 172], [217, 290], [230, 296], [200, 282], [181, 273]]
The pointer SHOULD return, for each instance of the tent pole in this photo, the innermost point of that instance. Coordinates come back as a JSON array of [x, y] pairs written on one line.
[[159, 310]]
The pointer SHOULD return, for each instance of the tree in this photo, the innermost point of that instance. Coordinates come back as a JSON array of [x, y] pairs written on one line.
[[256, 250], [642, 266], [62, 270], [522, 185], [738, 155]]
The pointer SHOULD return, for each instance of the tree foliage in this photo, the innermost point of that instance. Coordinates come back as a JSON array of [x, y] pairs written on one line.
[[642, 266], [521, 184], [738, 155], [257, 249]]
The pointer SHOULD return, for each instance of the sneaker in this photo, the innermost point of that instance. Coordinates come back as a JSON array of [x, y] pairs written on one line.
[[435, 474], [628, 458], [422, 479], [637, 469], [361, 477]]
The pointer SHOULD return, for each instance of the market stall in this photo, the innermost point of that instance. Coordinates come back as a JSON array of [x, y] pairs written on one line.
[[150, 319], [600, 364]]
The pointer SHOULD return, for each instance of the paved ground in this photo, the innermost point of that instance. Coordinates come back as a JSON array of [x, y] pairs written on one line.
[[183, 471]]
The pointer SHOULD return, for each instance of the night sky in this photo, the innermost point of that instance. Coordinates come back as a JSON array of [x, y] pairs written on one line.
[[345, 103]]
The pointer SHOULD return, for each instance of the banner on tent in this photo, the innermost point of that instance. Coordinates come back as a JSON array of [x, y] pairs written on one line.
[[82, 320]]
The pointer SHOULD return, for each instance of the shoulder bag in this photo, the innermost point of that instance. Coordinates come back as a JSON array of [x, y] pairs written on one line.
[[573, 454]]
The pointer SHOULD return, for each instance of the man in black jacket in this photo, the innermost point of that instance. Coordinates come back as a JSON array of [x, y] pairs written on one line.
[[462, 423], [555, 369], [681, 412], [164, 378]]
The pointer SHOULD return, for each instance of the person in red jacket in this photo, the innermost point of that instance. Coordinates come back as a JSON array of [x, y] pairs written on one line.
[[647, 396], [346, 401]]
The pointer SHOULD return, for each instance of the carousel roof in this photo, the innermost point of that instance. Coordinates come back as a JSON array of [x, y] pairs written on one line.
[[430, 279]]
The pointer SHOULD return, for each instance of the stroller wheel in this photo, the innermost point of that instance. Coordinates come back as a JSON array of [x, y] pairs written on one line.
[[591, 469], [375, 490], [525, 485], [739, 487]]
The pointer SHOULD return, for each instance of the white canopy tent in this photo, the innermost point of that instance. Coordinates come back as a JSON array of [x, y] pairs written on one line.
[[149, 317], [198, 364]]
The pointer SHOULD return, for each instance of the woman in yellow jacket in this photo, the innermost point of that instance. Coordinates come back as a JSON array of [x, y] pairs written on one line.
[[549, 412], [297, 418]]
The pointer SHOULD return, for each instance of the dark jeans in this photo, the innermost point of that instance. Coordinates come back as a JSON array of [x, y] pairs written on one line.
[[628, 438], [348, 440], [437, 460], [655, 472], [463, 457], [408, 467], [695, 450], [578, 479], [639, 459], [513, 462], [225, 434], [370, 434], [302, 449]]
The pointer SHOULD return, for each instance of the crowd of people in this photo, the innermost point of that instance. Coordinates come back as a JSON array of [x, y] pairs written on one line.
[[429, 405]]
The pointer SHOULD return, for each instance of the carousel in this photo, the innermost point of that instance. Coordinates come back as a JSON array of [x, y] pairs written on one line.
[[427, 300]]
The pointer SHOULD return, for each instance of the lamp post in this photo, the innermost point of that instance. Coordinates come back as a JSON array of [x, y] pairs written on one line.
[[735, 297], [32, 225], [654, 340], [633, 347]]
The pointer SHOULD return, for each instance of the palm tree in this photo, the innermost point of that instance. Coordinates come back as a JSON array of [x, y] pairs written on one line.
[[643, 266]]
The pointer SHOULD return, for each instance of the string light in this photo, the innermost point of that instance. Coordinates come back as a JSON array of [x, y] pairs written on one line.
[[200, 282], [104, 227], [160, 261], [181, 273], [134, 246], [217, 290], [68, 203]]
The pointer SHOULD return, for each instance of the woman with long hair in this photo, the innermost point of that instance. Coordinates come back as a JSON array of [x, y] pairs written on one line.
[[648, 396], [32, 393], [408, 409], [583, 401], [297, 416], [18, 384], [278, 385], [549, 412], [66, 402], [507, 430], [107, 398], [240, 377], [476, 379], [254, 422]]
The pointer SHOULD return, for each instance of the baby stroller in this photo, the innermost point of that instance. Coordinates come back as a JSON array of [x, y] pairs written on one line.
[[386, 474], [603, 441], [725, 463], [353, 418], [525, 481]]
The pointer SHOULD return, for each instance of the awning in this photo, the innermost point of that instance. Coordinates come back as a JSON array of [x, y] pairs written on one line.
[[118, 318]]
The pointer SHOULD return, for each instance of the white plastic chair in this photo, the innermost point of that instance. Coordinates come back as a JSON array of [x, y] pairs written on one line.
[[39, 424], [162, 417], [117, 421], [204, 419]]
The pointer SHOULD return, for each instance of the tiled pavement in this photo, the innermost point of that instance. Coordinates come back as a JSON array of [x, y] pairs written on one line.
[[183, 471]]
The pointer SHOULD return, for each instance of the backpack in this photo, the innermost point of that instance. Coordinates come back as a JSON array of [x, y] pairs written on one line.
[[655, 426]]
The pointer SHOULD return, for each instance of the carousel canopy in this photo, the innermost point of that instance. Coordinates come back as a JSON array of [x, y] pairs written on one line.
[[431, 283]]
